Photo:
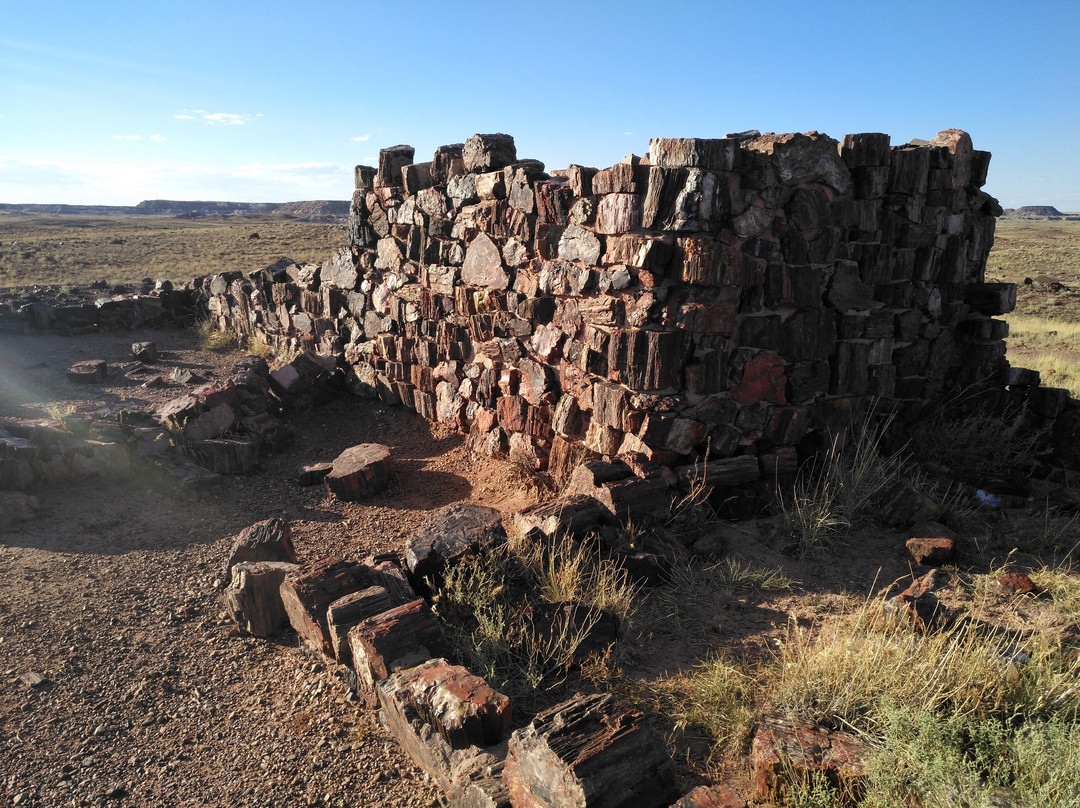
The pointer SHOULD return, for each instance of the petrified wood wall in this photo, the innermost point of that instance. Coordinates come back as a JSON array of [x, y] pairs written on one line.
[[727, 296]]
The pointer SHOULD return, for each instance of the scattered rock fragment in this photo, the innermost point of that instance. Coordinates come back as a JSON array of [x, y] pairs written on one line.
[[785, 749], [145, 352], [88, 371], [1016, 582]]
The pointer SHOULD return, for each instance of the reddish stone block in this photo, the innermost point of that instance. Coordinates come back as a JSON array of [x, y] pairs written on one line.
[[1016, 582], [762, 380], [927, 550], [783, 748]]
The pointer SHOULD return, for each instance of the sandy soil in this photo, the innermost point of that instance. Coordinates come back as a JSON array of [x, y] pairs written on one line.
[[111, 595]]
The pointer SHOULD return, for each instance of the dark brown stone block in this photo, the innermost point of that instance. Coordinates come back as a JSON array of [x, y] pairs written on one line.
[[589, 752]]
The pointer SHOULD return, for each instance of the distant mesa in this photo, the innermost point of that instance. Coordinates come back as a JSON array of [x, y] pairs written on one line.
[[317, 210], [1033, 212]]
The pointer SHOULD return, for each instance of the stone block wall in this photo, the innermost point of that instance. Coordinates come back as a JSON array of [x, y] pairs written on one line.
[[724, 297]]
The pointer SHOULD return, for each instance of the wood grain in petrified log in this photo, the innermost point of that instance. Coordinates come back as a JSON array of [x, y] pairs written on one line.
[[225, 455], [350, 610], [268, 540], [443, 716], [308, 591], [589, 753], [483, 791], [253, 598], [360, 471], [390, 640]]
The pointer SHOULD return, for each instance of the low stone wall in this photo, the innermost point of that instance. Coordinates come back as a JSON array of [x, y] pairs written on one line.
[[724, 297]]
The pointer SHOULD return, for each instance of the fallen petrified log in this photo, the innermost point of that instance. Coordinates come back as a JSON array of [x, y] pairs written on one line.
[[589, 752], [308, 591]]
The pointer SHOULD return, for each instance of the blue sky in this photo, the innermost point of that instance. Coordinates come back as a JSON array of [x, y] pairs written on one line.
[[113, 103]]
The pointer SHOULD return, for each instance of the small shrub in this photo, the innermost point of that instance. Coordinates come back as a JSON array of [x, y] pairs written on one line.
[[984, 763], [213, 338], [716, 698], [840, 488], [977, 445], [486, 606]]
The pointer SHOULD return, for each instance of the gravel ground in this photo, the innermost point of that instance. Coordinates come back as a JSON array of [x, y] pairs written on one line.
[[123, 680]]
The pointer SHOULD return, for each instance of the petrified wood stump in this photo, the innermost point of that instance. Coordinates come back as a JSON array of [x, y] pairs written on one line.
[[88, 371], [360, 471], [589, 753], [226, 456], [253, 598]]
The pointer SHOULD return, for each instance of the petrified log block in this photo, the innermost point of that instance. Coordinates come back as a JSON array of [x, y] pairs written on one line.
[[300, 375], [784, 748], [483, 264], [360, 471], [728, 471], [309, 590], [449, 534], [313, 473], [211, 424], [88, 371], [348, 611], [253, 598], [394, 638], [268, 540], [481, 792], [589, 752], [437, 710], [572, 517], [226, 456], [488, 152], [391, 161], [680, 152], [991, 298]]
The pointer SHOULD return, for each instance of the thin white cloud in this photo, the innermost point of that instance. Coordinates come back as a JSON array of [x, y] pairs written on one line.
[[369, 159], [158, 138], [361, 138], [628, 133], [50, 182], [127, 137], [222, 118]]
